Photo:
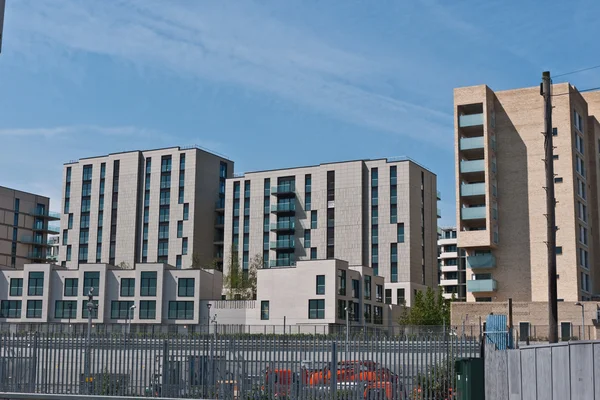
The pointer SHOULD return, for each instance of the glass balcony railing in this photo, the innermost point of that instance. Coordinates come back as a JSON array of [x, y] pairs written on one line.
[[283, 244], [439, 213], [40, 212], [487, 260], [482, 285], [220, 204], [283, 189], [472, 166], [287, 207], [465, 121], [469, 213], [282, 263], [472, 189], [35, 240], [439, 195], [36, 255], [284, 225], [471, 143]]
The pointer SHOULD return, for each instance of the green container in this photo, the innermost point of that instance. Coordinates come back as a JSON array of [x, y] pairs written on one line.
[[469, 379]]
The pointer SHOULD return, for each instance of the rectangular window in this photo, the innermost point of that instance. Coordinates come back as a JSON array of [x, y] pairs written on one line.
[[313, 253], [378, 317], [393, 214], [580, 166], [165, 197], [400, 233], [163, 214], [583, 237], [181, 310], [583, 258], [341, 282], [68, 255], [307, 238], [581, 188], [368, 314], [163, 249], [308, 201], [127, 287], [120, 309], [85, 205], [182, 161], [264, 310], [185, 287], [148, 284], [367, 287], [184, 246], [186, 211], [16, 286], [181, 195], [313, 219], [147, 309], [84, 222], [10, 309], [178, 261], [70, 222], [71, 285], [87, 172], [582, 211], [558, 179], [68, 177], [355, 288], [316, 309], [558, 249], [165, 164], [579, 144], [181, 179], [65, 309], [341, 311], [400, 299], [91, 280], [179, 229], [320, 284], [165, 181], [379, 293], [578, 121], [388, 296], [163, 231], [86, 189], [34, 308], [84, 236], [36, 284], [67, 206]]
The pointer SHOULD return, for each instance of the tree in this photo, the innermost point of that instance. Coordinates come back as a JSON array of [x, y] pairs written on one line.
[[123, 265], [240, 283], [430, 308], [196, 261]]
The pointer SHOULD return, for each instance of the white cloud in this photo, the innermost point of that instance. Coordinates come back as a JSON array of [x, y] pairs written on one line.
[[235, 44], [78, 129]]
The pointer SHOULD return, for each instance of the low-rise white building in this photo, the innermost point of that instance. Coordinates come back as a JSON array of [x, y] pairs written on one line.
[[148, 294]]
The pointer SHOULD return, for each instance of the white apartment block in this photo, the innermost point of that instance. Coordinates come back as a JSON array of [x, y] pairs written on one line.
[[148, 294], [144, 206], [376, 213], [24, 227], [451, 262]]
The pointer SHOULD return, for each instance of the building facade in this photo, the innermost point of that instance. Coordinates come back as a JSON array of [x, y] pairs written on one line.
[[144, 207], [24, 227], [376, 213], [501, 200], [147, 294], [451, 261]]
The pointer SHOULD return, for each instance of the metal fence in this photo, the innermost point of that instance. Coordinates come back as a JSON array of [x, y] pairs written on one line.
[[415, 366]]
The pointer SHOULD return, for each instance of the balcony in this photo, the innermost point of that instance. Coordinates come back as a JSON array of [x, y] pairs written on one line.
[[472, 189], [283, 226], [474, 143], [449, 268], [472, 166], [220, 206], [283, 208], [472, 213], [448, 282], [37, 241], [487, 260], [465, 121], [281, 263], [283, 245], [53, 230], [284, 190], [50, 215], [439, 213], [439, 195], [36, 256], [482, 286]]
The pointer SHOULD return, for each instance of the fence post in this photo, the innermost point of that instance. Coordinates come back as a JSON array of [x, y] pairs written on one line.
[[334, 363], [34, 356], [165, 370]]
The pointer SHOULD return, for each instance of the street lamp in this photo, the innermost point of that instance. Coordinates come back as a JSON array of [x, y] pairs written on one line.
[[70, 306], [582, 318], [208, 306], [348, 308], [129, 318]]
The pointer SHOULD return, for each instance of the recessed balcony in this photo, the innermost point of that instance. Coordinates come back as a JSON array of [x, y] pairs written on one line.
[[472, 213]]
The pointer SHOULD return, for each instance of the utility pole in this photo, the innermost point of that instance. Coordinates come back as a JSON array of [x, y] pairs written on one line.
[[546, 91]]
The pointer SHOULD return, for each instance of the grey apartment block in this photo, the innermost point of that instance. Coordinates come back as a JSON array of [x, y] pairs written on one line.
[[451, 261], [24, 228], [376, 213], [144, 206]]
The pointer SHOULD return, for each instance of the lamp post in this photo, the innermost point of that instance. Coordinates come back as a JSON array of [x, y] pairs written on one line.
[[347, 308], [129, 318], [582, 318], [208, 306], [70, 306]]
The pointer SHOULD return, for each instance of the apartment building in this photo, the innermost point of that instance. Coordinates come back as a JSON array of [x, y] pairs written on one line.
[[501, 200], [147, 294], [24, 227], [451, 261], [376, 213], [144, 207]]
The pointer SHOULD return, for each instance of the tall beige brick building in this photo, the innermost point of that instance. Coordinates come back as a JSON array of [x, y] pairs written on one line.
[[144, 207], [375, 213], [501, 200]]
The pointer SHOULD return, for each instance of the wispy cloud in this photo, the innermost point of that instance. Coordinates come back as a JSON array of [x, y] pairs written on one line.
[[80, 130], [237, 44]]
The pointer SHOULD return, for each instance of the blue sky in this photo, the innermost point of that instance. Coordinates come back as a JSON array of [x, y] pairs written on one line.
[[270, 83]]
